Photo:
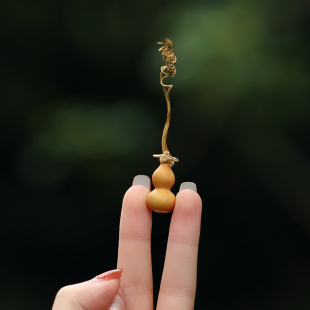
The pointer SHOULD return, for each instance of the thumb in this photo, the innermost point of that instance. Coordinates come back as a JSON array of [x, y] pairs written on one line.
[[95, 294]]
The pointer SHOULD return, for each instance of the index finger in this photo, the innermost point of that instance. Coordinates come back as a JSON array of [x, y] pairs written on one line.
[[134, 252]]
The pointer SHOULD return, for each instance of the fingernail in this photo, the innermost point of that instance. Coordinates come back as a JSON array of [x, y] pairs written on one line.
[[188, 185], [142, 180], [111, 275]]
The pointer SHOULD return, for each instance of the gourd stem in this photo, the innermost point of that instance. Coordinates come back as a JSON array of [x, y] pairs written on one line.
[[166, 89], [166, 71]]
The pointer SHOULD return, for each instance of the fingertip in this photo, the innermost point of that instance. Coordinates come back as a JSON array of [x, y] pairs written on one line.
[[143, 180], [189, 197], [103, 294], [136, 194], [188, 192], [188, 185], [92, 294], [186, 217], [135, 210], [110, 287]]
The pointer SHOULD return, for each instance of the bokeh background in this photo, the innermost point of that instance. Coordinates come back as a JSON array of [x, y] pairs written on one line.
[[82, 112]]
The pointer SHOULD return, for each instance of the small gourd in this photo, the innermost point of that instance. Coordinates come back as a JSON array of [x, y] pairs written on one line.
[[161, 199]]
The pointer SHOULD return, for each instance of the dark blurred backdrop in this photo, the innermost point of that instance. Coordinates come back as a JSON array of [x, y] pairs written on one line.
[[82, 113]]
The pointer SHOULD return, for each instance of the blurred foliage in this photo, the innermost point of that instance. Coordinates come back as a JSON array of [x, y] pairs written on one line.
[[83, 134], [82, 112]]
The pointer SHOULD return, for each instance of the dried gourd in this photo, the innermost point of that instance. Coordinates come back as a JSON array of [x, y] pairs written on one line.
[[161, 199]]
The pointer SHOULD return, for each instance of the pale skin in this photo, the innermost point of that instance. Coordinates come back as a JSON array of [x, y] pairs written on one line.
[[135, 289]]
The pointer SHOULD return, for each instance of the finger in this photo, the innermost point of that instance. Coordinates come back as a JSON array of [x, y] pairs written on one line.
[[134, 253], [99, 293], [178, 284]]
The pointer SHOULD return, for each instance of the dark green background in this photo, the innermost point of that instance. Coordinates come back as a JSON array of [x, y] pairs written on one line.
[[82, 113]]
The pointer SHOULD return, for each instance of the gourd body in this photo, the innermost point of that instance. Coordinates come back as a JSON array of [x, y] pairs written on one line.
[[161, 199]]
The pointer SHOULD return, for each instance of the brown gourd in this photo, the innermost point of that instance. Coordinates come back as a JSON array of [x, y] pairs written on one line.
[[161, 199]]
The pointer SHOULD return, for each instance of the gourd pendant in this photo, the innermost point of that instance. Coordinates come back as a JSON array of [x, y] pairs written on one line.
[[161, 199]]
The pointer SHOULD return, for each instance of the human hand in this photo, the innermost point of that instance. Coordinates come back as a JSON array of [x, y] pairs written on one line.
[[135, 292]]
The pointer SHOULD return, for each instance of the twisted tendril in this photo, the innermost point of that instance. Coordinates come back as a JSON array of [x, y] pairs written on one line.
[[166, 71]]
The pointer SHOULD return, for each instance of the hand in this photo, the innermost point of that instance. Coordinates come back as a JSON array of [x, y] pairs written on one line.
[[135, 292]]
